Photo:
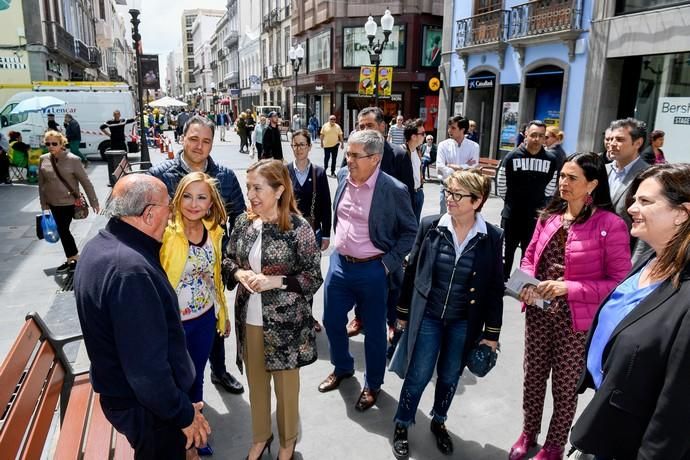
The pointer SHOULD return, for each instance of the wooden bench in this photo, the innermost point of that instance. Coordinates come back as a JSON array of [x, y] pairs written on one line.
[[35, 376], [489, 167], [123, 168]]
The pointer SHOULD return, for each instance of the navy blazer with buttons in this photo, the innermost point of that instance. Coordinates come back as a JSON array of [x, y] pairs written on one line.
[[392, 223], [642, 408]]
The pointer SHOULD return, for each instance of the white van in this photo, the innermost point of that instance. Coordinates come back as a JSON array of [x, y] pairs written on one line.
[[90, 103]]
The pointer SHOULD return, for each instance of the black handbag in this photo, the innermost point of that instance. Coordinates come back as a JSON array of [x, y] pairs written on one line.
[[39, 226], [481, 360]]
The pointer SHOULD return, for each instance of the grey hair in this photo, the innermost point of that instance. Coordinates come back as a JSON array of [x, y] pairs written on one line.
[[133, 202], [199, 120], [371, 140], [378, 113]]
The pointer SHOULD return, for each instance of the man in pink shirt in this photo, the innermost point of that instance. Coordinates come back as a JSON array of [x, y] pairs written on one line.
[[374, 228]]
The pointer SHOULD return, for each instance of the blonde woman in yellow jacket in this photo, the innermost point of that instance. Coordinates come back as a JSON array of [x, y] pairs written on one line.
[[191, 256]]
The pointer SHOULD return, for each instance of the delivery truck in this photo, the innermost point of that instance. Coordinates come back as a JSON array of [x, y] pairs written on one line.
[[90, 103]]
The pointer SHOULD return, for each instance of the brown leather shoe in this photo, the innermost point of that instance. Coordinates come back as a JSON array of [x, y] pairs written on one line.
[[367, 398], [354, 327], [333, 381]]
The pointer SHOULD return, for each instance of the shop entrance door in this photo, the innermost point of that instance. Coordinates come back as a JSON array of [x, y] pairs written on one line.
[[480, 107], [544, 87]]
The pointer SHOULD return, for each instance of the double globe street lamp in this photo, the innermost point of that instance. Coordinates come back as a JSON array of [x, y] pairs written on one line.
[[375, 49], [296, 55]]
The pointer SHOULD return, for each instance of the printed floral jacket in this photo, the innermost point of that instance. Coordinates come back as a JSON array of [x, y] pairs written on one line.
[[289, 335]]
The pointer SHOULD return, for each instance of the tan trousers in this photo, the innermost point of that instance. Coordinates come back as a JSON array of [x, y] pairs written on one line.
[[286, 389]]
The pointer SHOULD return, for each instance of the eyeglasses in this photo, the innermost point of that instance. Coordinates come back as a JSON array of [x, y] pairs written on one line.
[[455, 196], [52, 144], [358, 157], [169, 206], [423, 133], [300, 146]]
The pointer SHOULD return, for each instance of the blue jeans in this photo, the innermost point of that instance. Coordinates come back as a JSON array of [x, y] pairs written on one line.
[[437, 338], [442, 203], [365, 285], [199, 333], [418, 203]]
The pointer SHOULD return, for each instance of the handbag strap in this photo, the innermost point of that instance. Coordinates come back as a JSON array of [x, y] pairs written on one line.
[[313, 193], [72, 192]]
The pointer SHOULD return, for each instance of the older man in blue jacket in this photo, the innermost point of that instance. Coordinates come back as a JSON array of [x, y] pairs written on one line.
[[375, 229]]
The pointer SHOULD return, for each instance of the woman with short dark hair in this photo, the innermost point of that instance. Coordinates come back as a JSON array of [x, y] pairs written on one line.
[[653, 154]]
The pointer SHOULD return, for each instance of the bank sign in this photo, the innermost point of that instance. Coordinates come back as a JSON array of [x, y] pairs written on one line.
[[481, 83], [673, 117]]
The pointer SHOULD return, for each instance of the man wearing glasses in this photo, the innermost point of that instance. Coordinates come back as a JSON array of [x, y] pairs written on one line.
[[456, 152], [526, 179], [131, 323], [374, 229], [196, 156]]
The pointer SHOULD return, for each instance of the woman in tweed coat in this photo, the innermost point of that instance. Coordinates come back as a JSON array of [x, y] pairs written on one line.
[[273, 259]]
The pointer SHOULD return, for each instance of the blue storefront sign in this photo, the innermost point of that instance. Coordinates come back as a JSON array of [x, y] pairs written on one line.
[[486, 82]]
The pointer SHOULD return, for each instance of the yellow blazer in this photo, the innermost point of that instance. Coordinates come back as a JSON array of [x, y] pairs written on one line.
[[173, 256]]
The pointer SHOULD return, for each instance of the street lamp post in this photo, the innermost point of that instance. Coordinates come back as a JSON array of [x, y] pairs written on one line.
[[296, 55], [375, 49], [136, 37]]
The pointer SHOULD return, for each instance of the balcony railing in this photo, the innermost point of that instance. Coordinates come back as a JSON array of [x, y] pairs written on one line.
[[81, 50], [94, 57], [59, 39], [231, 39], [483, 29], [545, 16]]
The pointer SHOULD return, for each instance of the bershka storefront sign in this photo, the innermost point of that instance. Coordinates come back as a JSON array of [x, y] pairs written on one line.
[[481, 82]]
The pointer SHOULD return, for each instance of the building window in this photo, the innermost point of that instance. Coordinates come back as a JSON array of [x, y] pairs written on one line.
[[320, 52], [485, 6], [101, 8], [356, 52], [633, 6]]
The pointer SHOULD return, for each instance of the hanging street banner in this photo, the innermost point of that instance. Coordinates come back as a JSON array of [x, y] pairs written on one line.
[[149, 71], [366, 81]]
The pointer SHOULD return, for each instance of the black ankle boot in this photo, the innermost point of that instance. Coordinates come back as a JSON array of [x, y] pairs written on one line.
[[401, 448], [443, 441]]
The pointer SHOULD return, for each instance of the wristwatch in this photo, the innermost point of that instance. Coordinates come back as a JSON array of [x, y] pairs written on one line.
[[283, 286]]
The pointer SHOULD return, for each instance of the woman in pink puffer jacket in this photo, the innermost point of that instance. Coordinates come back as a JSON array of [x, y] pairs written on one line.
[[579, 251]]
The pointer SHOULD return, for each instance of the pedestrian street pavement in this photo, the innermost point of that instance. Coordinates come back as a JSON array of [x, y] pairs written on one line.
[[484, 419]]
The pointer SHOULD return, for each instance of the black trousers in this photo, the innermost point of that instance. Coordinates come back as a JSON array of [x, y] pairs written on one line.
[[328, 153], [63, 218], [4, 167], [217, 356], [259, 150], [243, 142], [150, 437], [517, 232]]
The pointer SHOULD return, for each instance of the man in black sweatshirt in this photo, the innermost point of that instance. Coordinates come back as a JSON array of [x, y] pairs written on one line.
[[526, 180], [130, 319]]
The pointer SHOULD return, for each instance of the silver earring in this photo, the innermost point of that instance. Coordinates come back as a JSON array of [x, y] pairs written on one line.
[[208, 212]]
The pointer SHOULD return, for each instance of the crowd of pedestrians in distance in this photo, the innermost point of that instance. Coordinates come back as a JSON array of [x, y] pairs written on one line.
[[604, 240]]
